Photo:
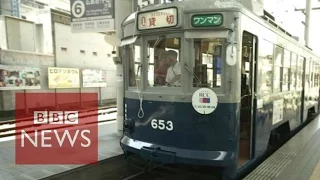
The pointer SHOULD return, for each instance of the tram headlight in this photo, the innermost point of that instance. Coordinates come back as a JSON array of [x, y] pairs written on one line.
[[128, 124]]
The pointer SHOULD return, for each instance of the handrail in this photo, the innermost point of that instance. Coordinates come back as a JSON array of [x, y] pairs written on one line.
[[272, 22]]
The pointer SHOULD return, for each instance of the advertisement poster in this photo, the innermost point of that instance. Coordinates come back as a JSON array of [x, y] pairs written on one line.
[[63, 78], [94, 78], [19, 77]]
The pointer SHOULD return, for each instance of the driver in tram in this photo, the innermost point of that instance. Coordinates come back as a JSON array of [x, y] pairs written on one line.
[[174, 70]]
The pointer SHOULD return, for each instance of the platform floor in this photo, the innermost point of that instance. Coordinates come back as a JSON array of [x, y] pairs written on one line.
[[298, 159], [109, 146]]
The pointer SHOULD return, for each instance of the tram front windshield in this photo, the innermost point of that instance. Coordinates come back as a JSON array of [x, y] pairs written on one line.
[[164, 62]]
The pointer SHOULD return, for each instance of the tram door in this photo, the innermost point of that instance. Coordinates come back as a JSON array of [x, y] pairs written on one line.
[[248, 92]]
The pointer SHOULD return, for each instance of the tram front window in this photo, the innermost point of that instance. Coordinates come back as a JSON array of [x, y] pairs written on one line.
[[164, 62], [132, 52], [208, 62]]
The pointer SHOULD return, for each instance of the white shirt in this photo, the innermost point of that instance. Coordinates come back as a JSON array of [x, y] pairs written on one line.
[[172, 72]]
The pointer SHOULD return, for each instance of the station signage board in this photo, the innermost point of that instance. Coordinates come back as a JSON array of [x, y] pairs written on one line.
[[15, 4], [92, 16], [206, 20], [158, 19]]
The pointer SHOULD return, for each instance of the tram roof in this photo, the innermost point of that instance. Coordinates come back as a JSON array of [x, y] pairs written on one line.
[[207, 5], [193, 5]]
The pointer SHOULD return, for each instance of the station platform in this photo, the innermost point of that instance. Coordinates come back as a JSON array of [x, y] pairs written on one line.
[[109, 146], [298, 159]]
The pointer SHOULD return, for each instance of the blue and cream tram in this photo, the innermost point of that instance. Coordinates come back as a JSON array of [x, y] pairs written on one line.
[[210, 84]]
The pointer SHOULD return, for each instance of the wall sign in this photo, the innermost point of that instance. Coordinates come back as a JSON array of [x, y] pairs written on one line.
[[158, 19], [63, 78], [15, 5], [94, 78], [144, 3], [92, 16], [19, 77], [207, 20], [204, 101]]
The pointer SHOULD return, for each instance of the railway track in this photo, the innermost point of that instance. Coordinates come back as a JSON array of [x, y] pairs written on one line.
[[173, 172], [111, 168], [118, 168], [28, 125], [31, 118]]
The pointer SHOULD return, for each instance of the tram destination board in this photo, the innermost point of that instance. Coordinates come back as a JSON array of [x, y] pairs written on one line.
[[161, 18], [206, 20]]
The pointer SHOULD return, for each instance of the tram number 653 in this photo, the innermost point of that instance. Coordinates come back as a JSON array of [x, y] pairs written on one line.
[[162, 124]]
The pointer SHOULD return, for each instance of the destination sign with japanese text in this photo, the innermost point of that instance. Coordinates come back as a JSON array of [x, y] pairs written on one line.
[[158, 19], [207, 20]]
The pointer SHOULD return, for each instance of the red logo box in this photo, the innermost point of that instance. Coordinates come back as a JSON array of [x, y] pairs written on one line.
[[56, 135]]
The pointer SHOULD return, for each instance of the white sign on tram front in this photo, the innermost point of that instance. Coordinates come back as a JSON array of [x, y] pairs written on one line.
[[204, 101], [158, 19]]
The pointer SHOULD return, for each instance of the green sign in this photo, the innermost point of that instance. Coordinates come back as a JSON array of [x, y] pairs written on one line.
[[207, 20]]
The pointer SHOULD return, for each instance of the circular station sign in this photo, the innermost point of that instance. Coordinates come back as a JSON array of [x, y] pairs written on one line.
[[204, 101], [78, 9]]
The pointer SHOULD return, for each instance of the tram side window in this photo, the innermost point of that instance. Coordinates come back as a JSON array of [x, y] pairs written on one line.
[[208, 62], [286, 66], [164, 63], [307, 74], [134, 64], [311, 74], [278, 69], [265, 67], [293, 71], [300, 72], [316, 75]]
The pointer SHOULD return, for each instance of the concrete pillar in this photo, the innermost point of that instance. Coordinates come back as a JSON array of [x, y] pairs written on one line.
[[308, 22], [120, 98], [123, 8]]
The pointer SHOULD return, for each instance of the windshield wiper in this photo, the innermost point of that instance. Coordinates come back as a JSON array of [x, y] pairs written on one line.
[[194, 74], [159, 39]]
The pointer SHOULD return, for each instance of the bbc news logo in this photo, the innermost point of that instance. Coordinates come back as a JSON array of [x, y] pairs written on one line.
[[56, 136], [56, 117]]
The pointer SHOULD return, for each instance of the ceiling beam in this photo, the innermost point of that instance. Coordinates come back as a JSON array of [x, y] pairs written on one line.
[[302, 9]]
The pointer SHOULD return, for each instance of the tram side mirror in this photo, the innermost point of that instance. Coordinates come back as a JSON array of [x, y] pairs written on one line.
[[115, 58], [231, 55]]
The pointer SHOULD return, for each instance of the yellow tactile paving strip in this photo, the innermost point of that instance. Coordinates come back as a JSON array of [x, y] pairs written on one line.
[[316, 172]]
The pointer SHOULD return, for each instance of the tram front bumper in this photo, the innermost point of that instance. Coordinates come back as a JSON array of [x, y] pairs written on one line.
[[173, 155]]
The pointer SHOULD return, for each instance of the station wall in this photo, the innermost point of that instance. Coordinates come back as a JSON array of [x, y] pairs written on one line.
[[27, 59], [41, 47], [85, 51]]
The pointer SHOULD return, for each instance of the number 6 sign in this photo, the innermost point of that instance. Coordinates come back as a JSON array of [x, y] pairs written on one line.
[[78, 8]]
